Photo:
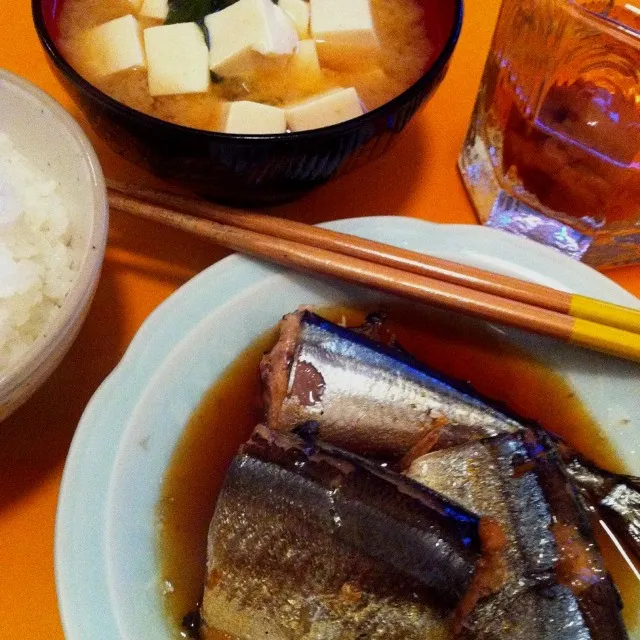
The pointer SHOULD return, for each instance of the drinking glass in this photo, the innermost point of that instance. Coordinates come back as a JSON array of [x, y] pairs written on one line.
[[553, 149]]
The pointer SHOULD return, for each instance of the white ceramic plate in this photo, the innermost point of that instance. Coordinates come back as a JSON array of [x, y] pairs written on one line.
[[106, 564]]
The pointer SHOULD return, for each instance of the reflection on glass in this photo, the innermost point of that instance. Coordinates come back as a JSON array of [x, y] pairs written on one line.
[[553, 150]]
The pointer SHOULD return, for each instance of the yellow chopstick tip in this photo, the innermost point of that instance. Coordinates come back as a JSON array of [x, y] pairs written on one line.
[[607, 313], [619, 342]]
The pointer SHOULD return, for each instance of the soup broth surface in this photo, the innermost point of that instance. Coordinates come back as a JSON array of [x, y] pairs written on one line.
[[458, 347], [405, 53]]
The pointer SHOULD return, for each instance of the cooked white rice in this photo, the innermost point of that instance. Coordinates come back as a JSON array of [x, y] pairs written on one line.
[[36, 262]]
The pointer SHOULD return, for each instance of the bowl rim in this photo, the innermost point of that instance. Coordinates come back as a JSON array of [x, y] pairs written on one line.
[[74, 306], [129, 113]]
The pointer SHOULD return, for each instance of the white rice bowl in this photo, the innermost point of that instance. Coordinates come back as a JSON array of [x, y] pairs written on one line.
[[53, 229], [36, 261]]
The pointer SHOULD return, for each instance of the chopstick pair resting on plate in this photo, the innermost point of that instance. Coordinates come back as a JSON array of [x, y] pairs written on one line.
[[573, 318]]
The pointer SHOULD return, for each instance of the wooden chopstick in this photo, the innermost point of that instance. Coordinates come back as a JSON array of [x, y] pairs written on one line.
[[446, 270], [258, 235]]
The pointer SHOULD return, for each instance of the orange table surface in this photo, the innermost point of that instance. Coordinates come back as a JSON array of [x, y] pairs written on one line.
[[145, 263]]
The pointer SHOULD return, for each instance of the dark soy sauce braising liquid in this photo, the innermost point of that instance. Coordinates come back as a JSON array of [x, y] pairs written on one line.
[[459, 348]]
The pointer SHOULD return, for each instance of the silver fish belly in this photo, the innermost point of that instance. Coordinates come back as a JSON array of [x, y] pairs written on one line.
[[307, 545], [554, 571], [363, 396]]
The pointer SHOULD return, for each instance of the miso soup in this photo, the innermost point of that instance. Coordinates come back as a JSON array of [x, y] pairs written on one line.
[[249, 66]]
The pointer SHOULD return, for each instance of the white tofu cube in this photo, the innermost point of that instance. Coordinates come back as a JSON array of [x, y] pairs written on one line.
[[344, 31], [298, 11], [321, 111], [112, 47], [245, 28], [285, 32], [249, 117], [177, 59], [306, 62], [158, 9]]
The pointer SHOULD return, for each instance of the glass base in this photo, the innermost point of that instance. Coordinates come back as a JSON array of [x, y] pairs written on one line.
[[500, 208]]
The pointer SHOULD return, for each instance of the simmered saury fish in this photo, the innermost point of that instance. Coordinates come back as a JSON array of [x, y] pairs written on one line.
[[363, 395], [520, 481], [308, 543], [311, 542], [372, 398]]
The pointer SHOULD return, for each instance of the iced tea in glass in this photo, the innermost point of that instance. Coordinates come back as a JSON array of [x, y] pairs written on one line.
[[553, 150]]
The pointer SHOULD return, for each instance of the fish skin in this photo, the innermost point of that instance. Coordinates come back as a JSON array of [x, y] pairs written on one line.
[[364, 396], [544, 613], [291, 503], [616, 497], [366, 497], [479, 476], [554, 570], [300, 548], [597, 606], [395, 425]]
